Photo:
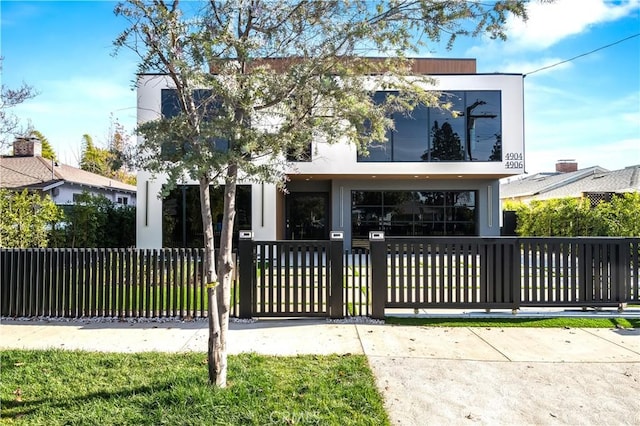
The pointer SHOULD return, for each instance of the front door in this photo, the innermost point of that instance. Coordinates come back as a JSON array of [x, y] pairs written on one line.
[[307, 216]]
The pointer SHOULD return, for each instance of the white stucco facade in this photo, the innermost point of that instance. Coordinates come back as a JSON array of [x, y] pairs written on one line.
[[335, 169]]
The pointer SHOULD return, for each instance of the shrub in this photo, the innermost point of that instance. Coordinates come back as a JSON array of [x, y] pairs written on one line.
[[94, 221], [571, 217], [26, 219]]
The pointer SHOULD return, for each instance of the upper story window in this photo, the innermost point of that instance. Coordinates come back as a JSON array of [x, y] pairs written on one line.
[[470, 131], [170, 107], [304, 154], [170, 104]]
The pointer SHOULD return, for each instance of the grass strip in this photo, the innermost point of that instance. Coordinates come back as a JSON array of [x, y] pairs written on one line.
[[55, 387], [558, 322]]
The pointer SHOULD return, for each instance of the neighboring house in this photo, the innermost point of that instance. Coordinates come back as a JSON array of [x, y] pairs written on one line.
[[436, 175], [595, 183], [26, 169]]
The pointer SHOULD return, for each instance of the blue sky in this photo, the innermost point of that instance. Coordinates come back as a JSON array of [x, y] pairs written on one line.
[[587, 109]]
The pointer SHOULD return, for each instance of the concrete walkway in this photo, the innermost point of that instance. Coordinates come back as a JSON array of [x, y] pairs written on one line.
[[427, 375]]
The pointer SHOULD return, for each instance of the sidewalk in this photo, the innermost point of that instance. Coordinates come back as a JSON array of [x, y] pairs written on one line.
[[427, 375]]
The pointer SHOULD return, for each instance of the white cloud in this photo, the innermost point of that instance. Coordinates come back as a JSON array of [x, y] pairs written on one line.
[[20, 13], [633, 118], [629, 108], [549, 23]]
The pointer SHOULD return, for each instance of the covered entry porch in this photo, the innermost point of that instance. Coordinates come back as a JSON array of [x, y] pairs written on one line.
[[396, 205]]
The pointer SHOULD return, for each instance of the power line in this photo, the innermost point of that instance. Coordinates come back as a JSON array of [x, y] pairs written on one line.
[[584, 54]]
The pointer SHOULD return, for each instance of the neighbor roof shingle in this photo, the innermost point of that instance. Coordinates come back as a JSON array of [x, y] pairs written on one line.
[[37, 172], [573, 184]]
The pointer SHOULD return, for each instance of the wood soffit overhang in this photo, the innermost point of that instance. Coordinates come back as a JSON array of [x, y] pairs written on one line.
[[419, 66]]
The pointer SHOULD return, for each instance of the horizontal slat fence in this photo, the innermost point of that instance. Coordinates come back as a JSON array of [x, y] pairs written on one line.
[[119, 283]]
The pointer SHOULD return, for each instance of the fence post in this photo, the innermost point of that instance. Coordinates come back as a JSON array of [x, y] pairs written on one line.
[[336, 306], [622, 264], [245, 271], [516, 275], [378, 273]]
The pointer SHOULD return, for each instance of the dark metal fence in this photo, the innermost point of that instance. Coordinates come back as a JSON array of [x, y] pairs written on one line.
[[103, 283], [290, 278], [578, 271], [444, 273], [503, 272], [316, 278]]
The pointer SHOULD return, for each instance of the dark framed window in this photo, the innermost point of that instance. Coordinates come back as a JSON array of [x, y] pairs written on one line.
[[471, 130], [300, 155], [307, 216], [413, 213], [182, 220], [206, 104]]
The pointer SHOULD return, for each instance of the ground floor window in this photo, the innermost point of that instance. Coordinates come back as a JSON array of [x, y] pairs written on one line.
[[182, 221], [307, 216], [413, 213]]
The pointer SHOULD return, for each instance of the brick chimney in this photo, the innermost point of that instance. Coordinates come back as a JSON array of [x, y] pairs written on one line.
[[27, 147], [566, 166]]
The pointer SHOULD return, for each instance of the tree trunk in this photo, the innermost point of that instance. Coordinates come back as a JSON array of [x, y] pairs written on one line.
[[215, 369], [226, 266]]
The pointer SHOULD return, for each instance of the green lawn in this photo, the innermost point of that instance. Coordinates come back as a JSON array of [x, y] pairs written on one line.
[[56, 387], [558, 322]]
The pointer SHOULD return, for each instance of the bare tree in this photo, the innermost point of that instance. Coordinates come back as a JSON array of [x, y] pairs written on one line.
[[9, 98]]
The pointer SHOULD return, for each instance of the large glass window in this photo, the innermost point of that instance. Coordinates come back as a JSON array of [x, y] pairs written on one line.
[[447, 130], [410, 135], [182, 220], [303, 154], [170, 107], [380, 150], [471, 130], [413, 213]]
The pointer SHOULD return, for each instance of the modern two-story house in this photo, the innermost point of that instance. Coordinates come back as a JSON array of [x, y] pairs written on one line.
[[437, 174]]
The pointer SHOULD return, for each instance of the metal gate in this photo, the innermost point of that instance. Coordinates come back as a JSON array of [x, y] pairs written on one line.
[[290, 278]]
